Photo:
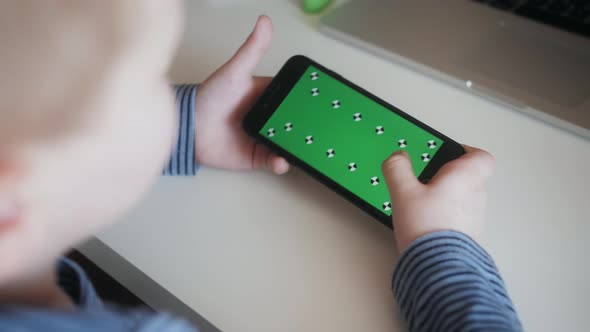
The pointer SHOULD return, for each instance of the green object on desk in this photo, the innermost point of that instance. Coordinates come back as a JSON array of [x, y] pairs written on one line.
[[314, 6]]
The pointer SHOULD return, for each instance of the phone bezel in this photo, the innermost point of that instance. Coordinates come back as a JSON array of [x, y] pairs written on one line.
[[278, 90]]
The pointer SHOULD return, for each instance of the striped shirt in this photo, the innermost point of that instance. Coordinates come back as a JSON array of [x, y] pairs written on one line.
[[445, 281], [183, 160]]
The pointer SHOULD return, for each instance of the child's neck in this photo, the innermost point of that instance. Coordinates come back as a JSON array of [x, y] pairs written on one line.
[[38, 289]]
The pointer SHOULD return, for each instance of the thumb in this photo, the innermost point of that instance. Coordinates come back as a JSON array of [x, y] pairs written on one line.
[[254, 48], [399, 175]]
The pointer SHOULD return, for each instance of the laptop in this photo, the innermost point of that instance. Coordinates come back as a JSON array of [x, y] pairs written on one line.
[[532, 55]]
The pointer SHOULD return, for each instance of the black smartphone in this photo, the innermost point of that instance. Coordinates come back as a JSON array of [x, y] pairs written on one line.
[[341, 134]]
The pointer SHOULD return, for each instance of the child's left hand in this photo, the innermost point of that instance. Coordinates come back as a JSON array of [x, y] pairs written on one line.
[[222, 101]]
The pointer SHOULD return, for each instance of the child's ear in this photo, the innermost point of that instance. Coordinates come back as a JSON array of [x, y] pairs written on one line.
[[10, 207]]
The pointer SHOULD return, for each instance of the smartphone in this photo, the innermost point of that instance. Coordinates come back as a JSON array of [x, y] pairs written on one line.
[[341, 134]]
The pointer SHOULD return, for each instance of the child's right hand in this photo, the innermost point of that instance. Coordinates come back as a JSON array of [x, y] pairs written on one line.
[[453, 200]]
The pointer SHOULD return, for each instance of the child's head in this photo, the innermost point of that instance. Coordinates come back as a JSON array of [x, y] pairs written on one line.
[[86, 118]]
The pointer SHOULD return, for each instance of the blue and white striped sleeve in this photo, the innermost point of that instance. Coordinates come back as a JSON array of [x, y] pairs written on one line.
[[183, 161], [445, 281]]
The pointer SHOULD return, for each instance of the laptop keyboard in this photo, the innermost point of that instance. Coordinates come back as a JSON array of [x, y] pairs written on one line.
[[569, 15]]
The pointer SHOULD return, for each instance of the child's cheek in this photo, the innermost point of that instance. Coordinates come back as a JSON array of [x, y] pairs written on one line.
[[139, 144], [78, 186]]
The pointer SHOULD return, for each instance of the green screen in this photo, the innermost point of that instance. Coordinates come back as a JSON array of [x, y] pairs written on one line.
[[346, 136]]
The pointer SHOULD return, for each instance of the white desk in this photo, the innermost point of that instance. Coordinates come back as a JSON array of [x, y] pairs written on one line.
[[255, 252]]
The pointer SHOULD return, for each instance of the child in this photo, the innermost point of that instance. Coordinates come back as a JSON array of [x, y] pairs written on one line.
[[87, 122]]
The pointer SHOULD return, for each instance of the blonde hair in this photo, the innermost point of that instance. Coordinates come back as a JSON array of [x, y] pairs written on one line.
[[55, 54]]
